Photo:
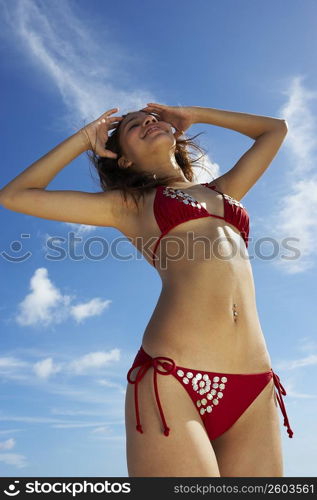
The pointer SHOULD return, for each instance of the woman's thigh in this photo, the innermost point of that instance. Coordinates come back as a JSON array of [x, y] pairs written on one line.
[[252, 447], [185, 452]]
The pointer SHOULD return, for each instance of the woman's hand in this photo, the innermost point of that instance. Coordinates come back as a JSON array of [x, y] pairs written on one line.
[[180, 117], [96, 133]]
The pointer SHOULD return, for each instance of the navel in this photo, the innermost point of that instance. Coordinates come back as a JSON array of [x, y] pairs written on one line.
[[235, 312]]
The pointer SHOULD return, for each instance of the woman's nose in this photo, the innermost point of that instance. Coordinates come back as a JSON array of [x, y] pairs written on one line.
[[149, 119]]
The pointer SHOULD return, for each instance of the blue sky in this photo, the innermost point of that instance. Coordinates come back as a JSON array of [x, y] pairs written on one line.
[[71, 322]]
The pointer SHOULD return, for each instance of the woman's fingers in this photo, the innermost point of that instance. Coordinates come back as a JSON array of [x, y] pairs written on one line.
[[114, 125], [149, 108], [110, 120], [110, 154], [115, 118], [106, 114], [113, 110], [156, 104]]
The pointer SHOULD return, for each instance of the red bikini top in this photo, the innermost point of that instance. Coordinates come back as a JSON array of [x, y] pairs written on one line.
[[173, 206]]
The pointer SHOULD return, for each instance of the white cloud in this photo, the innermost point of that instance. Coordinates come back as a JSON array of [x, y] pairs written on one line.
[[45, 304], [300, 395], [112, 385], [80, 229], [7, 445], [104, 429], [8, 362], [205, 170], [46, 368], [11, 458], [94, 360], [23, 372], [15, 459], [10, 431], [94, 307], [77, 413], [310, 360], [307, 344]]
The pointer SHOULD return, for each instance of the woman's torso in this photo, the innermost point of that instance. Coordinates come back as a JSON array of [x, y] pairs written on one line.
[[203, 284]]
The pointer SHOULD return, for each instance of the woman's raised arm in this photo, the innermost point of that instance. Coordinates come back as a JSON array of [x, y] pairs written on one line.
[[27, 192]]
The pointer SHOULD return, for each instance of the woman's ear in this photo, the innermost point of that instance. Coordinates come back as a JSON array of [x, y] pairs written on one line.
[[123, 162]]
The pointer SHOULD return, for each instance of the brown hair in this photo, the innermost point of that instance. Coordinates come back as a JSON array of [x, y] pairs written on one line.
[[133, 182]]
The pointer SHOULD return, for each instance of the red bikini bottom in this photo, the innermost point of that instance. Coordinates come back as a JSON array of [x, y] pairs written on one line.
[[220, 398]]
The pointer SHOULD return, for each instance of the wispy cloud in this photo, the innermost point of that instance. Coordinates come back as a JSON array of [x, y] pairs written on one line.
[[14, 459], [310, 360], [10, 431], [112, 385], [80, 229], [94, 360], [88, 364], [89, 72], [300, 395], [51, 421], [296, 213], [77, 413], [81, 425], [307, 344], [7, 445], [74, 58], [11, 363]]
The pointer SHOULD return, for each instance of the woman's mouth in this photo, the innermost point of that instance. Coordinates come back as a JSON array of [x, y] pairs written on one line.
[[151, 130]]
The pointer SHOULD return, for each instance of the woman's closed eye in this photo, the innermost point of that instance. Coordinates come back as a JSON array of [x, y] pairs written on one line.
[[135, 124]]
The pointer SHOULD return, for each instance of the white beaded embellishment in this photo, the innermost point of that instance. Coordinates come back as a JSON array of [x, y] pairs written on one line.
[[232, 201], [180, 195], [202, 384]]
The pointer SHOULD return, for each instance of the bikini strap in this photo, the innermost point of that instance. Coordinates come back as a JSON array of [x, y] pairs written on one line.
[[282, 391], [211, 187], [167, 364]]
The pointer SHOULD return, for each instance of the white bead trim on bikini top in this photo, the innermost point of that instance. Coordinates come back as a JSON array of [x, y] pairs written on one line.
[[189, 200]]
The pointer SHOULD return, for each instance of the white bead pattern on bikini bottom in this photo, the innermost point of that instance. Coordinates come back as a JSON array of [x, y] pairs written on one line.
[[202, 384], [180, 195]]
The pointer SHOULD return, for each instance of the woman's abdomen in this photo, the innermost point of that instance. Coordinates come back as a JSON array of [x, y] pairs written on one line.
[[209, 326]]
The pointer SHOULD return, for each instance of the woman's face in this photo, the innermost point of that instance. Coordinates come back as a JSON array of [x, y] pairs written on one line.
[[139, 144]]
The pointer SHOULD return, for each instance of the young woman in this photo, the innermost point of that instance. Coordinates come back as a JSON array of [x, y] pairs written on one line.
[[202, 399]]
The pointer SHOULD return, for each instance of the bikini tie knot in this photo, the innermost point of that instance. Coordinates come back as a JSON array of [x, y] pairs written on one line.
[[282, 391], [167, 363], [161, 365]]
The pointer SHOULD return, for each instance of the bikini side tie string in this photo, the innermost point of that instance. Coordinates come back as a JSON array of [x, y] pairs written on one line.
[[281, 391], [160, 361]]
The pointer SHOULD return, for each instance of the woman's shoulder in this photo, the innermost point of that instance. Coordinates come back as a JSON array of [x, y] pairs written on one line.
[[132, 207]]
